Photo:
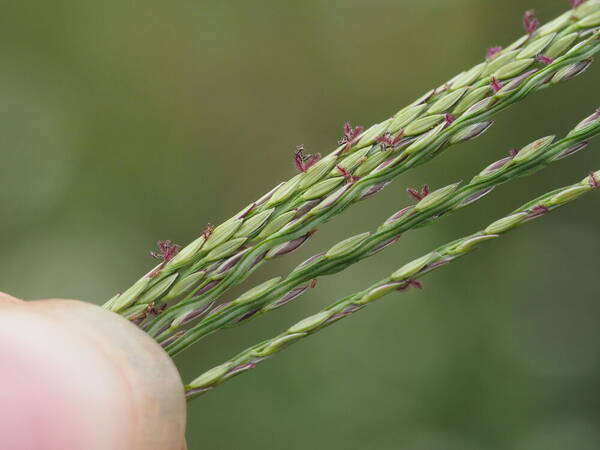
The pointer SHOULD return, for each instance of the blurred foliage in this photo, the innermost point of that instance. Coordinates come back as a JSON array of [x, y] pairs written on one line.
[[126, 122]]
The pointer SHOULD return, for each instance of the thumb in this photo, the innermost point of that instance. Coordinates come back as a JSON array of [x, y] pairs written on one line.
[[78, 377]]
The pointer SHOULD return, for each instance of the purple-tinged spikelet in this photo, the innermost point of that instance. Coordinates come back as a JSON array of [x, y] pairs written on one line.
[[346, 312], [537, 210], [495, 85], [198, 313], [172, 339], [544, 59], [241, 368], [571, 150], [476, 196], [397, 216], [293, 244], [376, 188], [293, 294], [208, 286], [449, 119]]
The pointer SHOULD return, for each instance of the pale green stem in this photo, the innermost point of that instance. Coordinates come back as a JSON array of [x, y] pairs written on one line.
[[269, 295], [399, 280]]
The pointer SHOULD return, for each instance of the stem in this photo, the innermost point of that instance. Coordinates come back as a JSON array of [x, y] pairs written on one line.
[[528, 160], [403, 278]]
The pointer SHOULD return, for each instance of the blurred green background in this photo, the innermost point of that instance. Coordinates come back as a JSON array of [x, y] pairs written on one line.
[[123, 123]]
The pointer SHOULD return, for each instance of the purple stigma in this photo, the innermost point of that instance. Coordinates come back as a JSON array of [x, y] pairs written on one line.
[[418, 195], [492, 52], [387, 141], [351, 135], [351, 179], [530, 22], [303, 161], [167, 251]]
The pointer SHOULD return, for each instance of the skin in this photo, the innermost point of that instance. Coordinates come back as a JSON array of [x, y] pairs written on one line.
[[75, 376]]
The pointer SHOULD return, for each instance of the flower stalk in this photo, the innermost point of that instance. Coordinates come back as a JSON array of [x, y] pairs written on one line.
[[430, 206], [400, 280]]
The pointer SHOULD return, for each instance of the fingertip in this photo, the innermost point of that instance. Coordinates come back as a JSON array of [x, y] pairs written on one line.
[[8, 299], [93, 378]]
